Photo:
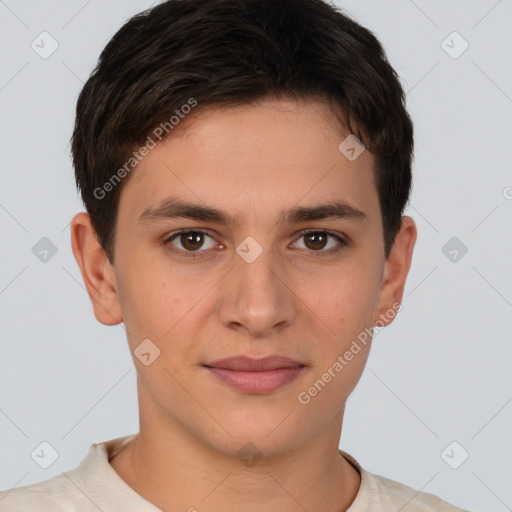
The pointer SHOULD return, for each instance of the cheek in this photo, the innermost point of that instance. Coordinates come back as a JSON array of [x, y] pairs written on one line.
[[149, 304], [345, 298], [170, 312], [331, 384]]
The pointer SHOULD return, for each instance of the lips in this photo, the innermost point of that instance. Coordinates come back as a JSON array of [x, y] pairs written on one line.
[[256, 376], [247, 364]]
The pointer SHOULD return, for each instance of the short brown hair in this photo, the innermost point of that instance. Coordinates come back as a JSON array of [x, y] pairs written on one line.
[[230, 53]]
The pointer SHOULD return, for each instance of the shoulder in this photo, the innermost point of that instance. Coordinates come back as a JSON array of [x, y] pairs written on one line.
[[380, 494], [86, 488], [53, 495], [389, 493]]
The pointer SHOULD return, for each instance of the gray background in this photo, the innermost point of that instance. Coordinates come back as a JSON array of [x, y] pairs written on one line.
[[440, 373]]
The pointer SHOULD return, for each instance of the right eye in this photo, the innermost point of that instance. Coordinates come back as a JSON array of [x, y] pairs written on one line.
[[191, 242]]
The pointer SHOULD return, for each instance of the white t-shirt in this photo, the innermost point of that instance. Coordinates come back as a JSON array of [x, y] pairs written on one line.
[[95, 486]]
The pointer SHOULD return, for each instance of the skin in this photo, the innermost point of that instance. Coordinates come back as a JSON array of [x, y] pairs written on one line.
[[296, 299]]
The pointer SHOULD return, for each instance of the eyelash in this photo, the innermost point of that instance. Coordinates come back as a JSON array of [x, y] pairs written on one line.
[[201, 253]]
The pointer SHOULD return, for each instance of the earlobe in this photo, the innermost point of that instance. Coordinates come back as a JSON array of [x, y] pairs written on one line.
[[97, 272], [396, 270]]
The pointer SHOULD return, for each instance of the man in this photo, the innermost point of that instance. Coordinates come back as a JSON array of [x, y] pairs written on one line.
[[245, 165]]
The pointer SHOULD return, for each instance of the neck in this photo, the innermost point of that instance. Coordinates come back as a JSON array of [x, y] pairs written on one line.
[[173, 470]]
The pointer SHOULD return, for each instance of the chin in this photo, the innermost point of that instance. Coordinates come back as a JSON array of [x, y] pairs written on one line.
[[267, 437]]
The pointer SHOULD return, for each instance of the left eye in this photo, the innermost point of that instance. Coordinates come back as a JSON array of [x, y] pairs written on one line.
[[318, 240]]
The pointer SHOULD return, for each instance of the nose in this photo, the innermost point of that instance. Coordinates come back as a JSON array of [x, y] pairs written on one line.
[[256, 297]]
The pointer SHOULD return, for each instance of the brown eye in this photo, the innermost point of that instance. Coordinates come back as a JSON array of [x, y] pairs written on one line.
[[316, 241], [322, 242], [188, 242], [191, 241]]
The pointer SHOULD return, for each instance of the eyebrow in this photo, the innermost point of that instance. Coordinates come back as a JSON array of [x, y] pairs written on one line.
[[173, 208]]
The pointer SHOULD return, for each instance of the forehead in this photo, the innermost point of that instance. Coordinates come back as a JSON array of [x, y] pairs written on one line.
[[254, 159]]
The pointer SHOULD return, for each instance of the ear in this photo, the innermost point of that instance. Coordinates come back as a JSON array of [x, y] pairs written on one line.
[[97, 272], [395, 271]]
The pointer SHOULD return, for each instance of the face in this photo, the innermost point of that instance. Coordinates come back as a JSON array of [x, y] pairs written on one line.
[[260, 267]]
